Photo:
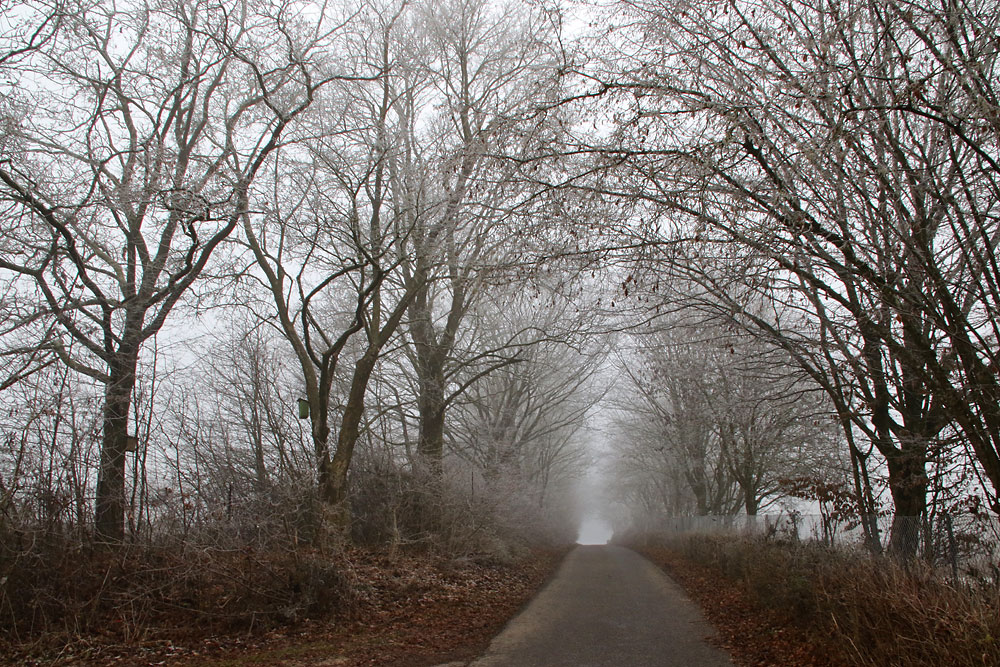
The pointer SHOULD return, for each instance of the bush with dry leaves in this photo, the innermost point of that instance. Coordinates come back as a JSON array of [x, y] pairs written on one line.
[[878, 610]]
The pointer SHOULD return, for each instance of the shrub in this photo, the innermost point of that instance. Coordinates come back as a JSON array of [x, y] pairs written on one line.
[[887, 612], [61, 585]]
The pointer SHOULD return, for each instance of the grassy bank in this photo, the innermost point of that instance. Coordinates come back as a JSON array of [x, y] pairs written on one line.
[[64, 604], [865, 610]]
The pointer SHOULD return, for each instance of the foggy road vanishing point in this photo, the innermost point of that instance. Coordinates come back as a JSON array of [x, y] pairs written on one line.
[[606, 605]]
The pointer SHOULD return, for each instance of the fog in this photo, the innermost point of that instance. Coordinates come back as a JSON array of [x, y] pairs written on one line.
[[595, 530]]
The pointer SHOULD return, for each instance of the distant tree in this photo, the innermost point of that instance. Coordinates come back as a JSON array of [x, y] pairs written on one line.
[[253, 399], [722, 416], [520, 421], [669, 452]]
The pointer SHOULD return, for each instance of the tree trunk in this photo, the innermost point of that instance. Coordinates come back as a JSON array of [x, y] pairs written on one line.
[[334, 486], [908, 484], [698, 486], [109, 509], [431, 350], [430, 445], [862, 489], [324, 466]]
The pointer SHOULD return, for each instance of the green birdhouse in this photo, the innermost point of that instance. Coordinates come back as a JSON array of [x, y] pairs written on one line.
[[303, 408]]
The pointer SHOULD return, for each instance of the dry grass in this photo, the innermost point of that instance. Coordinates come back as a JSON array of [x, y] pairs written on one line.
[[882, 611], [63, 587], [210, 599]]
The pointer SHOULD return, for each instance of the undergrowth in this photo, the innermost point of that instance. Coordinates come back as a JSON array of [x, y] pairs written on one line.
[[885, 612], [55, 586]]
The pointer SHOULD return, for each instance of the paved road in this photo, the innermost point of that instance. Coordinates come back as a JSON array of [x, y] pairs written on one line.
[[606, 605]]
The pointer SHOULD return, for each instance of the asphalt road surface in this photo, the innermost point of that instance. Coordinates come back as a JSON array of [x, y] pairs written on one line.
[[606, 605]]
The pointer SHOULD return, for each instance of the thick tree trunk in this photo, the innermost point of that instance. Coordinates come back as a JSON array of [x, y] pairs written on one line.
[[324, 466], [334, 485], [431, 405], [432, 349], [109, 510], [319, 415], [908, 484], [430, 447], [700, 498]]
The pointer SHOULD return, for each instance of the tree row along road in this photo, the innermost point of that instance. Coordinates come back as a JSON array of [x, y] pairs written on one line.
[[606, 605]]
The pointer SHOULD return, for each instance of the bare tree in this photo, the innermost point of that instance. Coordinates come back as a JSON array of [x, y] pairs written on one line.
[[337, 222], [143, 128], [27, 27], [254, 399], [721, 415], [487, 68], [669, 459], [522, 420], [50, 436], [823, 141]]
